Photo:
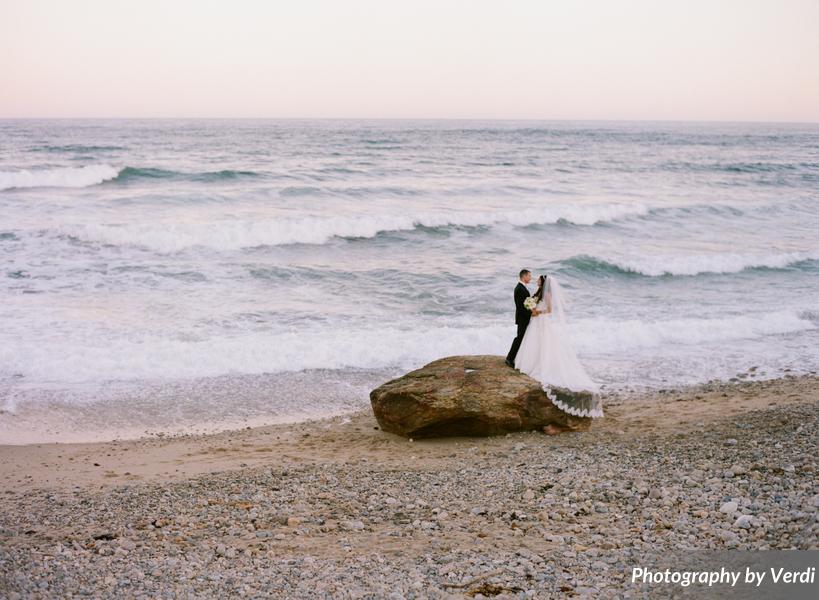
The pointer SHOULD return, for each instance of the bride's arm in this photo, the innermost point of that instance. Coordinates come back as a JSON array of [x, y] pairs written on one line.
[[549, 302]]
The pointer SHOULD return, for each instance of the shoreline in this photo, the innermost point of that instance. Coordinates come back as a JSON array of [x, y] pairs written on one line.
[[128, 410], [164, 456], [335, 507]]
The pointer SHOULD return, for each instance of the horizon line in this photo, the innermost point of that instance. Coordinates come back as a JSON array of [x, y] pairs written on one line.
[[542, 119]]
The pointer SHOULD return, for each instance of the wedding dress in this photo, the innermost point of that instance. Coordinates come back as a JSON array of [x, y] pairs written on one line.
[[546, 354]]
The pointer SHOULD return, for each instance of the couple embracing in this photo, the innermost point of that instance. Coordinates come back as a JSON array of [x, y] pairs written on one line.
[[543, 350]]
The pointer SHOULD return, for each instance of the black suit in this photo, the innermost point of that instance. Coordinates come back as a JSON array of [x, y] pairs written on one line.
[[522, 316]]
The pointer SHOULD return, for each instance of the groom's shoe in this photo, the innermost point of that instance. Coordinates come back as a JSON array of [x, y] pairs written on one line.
[[509, 363]]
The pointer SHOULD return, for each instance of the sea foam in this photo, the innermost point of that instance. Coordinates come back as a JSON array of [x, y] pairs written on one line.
[[76, 177], [339, 347], [237, 234]]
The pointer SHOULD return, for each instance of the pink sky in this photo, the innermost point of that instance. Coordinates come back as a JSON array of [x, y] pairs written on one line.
[[543, 59]]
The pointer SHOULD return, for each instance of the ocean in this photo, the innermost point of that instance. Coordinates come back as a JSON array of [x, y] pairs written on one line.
[[191, 275]]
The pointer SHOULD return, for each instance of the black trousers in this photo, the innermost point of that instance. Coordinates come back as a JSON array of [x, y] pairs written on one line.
[[513, 351]]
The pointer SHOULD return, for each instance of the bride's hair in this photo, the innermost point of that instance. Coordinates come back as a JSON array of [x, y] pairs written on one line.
[[541, 287]]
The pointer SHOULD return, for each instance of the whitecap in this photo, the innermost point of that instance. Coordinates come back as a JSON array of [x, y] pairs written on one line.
[[63, 177], [237, 234]]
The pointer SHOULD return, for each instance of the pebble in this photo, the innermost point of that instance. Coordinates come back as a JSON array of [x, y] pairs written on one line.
[[127, 544], [726, 535], [743, 522]]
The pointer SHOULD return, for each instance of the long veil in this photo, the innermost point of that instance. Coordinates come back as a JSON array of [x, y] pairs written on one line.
[[586, 400], [558, 299]]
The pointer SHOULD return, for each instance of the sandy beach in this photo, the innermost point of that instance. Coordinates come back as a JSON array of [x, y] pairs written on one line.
[[337, 508]]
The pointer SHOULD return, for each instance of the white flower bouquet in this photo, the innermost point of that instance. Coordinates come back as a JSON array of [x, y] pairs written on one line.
[[530, 303]]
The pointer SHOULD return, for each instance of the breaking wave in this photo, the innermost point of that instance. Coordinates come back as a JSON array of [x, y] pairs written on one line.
[[689, 265], [238, 234], [78, 177]]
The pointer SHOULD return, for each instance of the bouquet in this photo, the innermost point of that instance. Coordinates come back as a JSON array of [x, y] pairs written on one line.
[[530, 303]]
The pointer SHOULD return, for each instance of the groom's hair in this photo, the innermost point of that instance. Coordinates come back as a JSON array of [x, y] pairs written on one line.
[[523, 272]]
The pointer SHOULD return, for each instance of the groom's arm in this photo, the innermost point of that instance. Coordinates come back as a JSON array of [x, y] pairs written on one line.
[[520, 298]]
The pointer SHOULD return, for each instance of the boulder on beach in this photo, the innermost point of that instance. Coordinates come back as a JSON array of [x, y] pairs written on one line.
[[468, 396]]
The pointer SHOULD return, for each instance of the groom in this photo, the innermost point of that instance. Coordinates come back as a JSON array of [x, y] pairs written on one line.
[[522, 314]]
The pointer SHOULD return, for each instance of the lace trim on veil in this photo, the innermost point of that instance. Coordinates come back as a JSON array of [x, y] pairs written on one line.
[[592, 409]]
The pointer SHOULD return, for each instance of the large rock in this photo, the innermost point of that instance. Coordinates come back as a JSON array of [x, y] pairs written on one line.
[[470, 396]]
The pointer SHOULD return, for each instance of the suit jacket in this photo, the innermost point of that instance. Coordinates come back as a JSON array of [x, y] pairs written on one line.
[[522, 314]]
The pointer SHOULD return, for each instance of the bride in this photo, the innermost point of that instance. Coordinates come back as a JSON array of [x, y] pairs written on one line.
[[546, 353]]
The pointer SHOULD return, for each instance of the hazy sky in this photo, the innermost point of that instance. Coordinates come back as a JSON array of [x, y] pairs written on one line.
[[581, 59]]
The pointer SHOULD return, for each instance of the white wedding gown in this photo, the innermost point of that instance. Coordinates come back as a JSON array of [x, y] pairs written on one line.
[[546, 354]]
